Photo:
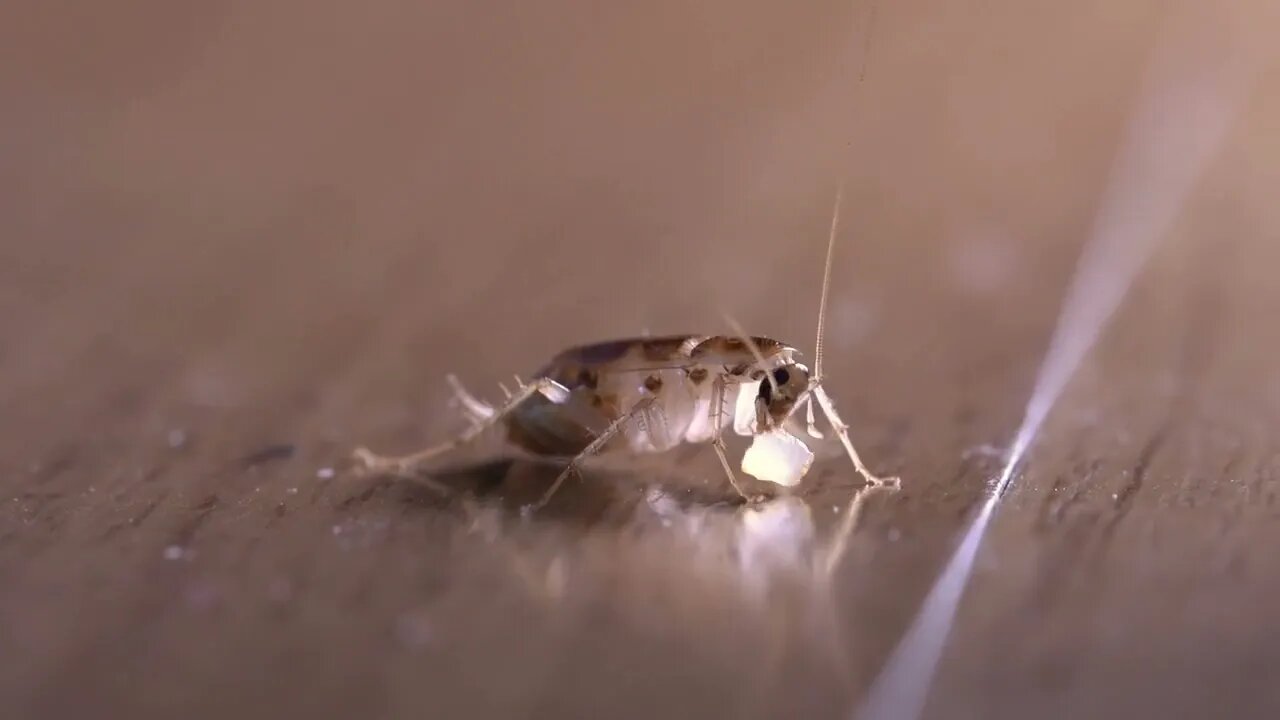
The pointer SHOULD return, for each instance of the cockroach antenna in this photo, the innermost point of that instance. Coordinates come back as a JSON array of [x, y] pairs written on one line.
[[754, 348], [815, 382], [826, 285]]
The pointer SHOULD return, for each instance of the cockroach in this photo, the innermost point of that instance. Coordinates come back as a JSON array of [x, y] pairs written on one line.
[[650, 394]]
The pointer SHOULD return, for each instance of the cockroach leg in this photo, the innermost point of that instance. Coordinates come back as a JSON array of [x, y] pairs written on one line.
[[591, 449], [842, 432], [721, 451], [717, 437], [475, 409], [407, 465], [810, 425]]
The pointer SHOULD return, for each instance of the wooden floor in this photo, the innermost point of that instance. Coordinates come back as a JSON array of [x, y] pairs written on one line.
[[238, 240]]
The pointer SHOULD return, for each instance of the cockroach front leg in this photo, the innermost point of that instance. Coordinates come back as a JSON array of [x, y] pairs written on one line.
[[483, 417], [842, 432]]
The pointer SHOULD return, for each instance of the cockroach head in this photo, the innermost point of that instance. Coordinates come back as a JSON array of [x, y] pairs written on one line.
[[780, 393]]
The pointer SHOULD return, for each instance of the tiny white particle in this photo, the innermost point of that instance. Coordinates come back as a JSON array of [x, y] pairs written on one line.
[[325, 473], [337, 529], [292, 491], [174, 552], [894, 535], [177, 438]]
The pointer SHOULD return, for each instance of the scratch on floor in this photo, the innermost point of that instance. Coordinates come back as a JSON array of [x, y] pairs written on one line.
[[202, 511]]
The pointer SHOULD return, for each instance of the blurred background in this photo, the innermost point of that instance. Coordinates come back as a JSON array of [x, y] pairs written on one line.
[[238, 239]]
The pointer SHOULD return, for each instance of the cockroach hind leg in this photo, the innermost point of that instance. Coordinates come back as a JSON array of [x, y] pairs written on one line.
[[475, 409], [408, 465], [371, 463], [594, 447]]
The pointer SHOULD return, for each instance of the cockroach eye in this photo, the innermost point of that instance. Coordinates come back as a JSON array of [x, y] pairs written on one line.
[[766, 391]]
